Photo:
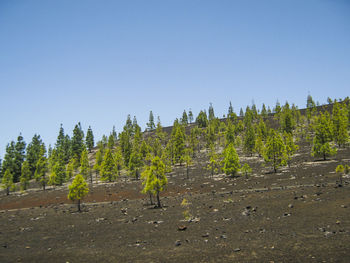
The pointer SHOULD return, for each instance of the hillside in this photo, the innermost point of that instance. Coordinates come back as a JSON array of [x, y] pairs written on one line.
[[298, 214]]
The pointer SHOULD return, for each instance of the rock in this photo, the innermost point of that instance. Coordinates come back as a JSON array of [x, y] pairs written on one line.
[[177, 243], [27, 247], [181, 228], [101, 219], [205, 235], [223, 236], [290, 205], [343, 206], [286, 214], [237, 249], [328, 233], [337, 222]]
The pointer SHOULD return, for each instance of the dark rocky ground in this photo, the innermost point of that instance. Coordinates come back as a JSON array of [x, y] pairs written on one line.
[[296, 215]]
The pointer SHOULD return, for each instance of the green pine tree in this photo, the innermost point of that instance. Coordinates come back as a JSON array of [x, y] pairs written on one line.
[[323, 137], [275, 151], [41, 170], [89, 140], [77, 142], [78, 189], [249, 140], [25, 175], [156, 180], [246, 170], [85, 165], [340, 124], [7, 181], [135, 163], [108, 167], [231, 161], [150, 125]]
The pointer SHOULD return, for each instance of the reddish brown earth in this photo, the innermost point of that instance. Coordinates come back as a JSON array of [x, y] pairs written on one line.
[[296, 215]]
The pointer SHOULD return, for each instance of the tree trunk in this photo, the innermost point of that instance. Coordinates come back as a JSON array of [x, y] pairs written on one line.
[[8, 191], [79, 205], [91, 177], [341, 179], [187, 173], [150, 198], [324, 156], [158, 200]]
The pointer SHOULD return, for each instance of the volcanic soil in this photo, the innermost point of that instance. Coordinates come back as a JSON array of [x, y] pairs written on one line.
[[299, 214]]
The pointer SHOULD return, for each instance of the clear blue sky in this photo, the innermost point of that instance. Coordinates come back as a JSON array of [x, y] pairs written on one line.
[[97, 61]]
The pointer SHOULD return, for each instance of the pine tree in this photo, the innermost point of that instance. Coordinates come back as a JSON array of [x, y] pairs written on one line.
[[230, 110], [118, 159], [9, 158], [111, 142], [231, 161], [179, 142], [144, 176], [323, 137], [90, 139], [211, 112], [125, 144], [230, 133], [7, 181], [78, 189], [213, 162], [259, 146], [193, 140], [190, 116], [340, 123], [275, 151], [59, 172], [241, 113], [188, 161], [291, 147], [108, 167], [249, 140], [246, 170], [19, 158], [77, 141], [151, 126], [184, 119], [25, 175], [263, 111], [98, 162], [156, 180], [69, 170], [340, 170], [202, 120], [135, 163], [286, 119], [310, 102], [85, 165], [41, 169]]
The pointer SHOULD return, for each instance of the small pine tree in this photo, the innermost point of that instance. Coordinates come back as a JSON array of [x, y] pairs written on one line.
[[249, 140], [291, 147], [85, 165], [40, 172], [188, 161], [190, 116], [246, 170], [135, 163], [275, 151], [213, 162], [156, 180], [7, 181], [78, 189], [184, 119], [323, 137], [89, 139], [69, 170], [231, 161], [25, 175], [151, 126], [108, 167], [340, 170], [98, 162]]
